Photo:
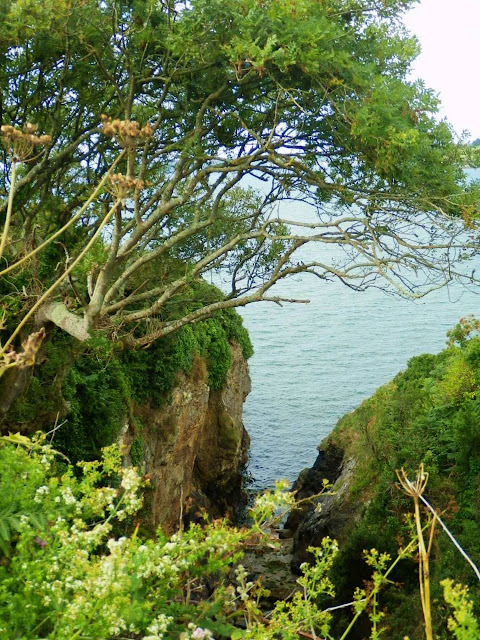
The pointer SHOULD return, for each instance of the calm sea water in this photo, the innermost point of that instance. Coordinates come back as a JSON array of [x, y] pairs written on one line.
[[313, 363]]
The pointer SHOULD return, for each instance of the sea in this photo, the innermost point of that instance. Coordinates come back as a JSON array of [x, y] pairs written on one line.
[[315, 362]]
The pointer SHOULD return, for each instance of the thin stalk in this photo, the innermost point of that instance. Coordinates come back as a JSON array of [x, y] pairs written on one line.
[[374, 617], [424, 573], [415, 491], [69, 223], [6, 228], [42, 299], [400, 556]]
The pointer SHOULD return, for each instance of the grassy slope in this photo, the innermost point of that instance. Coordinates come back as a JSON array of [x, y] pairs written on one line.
[[429, 413]]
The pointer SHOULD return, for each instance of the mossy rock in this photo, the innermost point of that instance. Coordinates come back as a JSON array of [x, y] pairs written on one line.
[[97, 387], [136, 451], [229, 437]]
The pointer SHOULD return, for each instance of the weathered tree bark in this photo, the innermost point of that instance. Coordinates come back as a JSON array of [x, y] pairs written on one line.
[[57, 313]]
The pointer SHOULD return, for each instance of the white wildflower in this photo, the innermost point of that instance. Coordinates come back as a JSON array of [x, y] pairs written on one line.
[[158, 627], [41, 491], [130, 480], [68, 496]]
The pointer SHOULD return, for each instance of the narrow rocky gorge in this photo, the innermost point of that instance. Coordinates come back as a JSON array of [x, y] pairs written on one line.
[[329, 512], [321, 513]]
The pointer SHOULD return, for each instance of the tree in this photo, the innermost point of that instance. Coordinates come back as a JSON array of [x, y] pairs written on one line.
[[308, 98]]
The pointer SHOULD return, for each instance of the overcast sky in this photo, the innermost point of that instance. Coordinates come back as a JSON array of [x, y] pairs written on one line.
[[449, 33]]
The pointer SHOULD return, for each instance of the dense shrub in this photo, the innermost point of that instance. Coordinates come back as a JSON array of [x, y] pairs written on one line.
[[429, 413], [64, 574]]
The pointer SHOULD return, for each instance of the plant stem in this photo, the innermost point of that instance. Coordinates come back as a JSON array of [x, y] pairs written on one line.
[[69, 223], [47, 293], [401, 555], [6, 228], [424, 573]]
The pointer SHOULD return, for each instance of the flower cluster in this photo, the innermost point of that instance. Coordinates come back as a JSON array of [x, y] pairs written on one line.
[[127, 133], [120, 185], [196, 633], [271, 503], [244, 586], [20, 144], [70, 576], [157, 628]]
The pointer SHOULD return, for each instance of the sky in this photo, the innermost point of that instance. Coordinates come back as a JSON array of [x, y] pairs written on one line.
[[449, 34]]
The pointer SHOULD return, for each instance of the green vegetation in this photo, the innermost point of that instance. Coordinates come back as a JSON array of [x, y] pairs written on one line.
[[430, 413], [64, 574], [130, 129], [136, 452], [96, 387]]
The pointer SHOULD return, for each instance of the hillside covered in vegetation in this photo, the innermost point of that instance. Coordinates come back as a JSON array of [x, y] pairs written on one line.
[[430, 414], [132, 132]]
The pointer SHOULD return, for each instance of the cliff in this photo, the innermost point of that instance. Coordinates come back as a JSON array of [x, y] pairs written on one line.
[[331, 514], [193, 447], [176, 408], [427, 414]]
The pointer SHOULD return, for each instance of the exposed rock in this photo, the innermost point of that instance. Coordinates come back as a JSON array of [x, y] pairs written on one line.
[[194, 446], [327, 466], [331, 514], [272, 567]]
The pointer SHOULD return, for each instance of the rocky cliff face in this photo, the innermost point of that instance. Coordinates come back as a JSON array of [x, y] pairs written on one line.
[[193, 447], [331, 514]]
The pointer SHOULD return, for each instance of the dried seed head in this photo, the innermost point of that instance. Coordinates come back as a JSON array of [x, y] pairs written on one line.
[[30, 346], [127, 133], [412, 489], [30, 128], [20, 144], [121, 185]]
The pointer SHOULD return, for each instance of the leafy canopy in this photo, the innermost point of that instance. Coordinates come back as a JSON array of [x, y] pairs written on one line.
[[307, 100]]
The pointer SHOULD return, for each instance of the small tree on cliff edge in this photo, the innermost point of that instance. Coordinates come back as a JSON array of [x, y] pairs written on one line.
[[307, 98]]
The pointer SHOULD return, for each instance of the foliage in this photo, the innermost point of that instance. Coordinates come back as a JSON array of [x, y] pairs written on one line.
[[97, 394], [42, 394], [151, 373], [64, 574], [463, 330], [136, 451], [24, 18], [463, 623], [312, 99], [307, 101], [96, 387], [233, 325], [430, 413], [16, 503], [154, 120]]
